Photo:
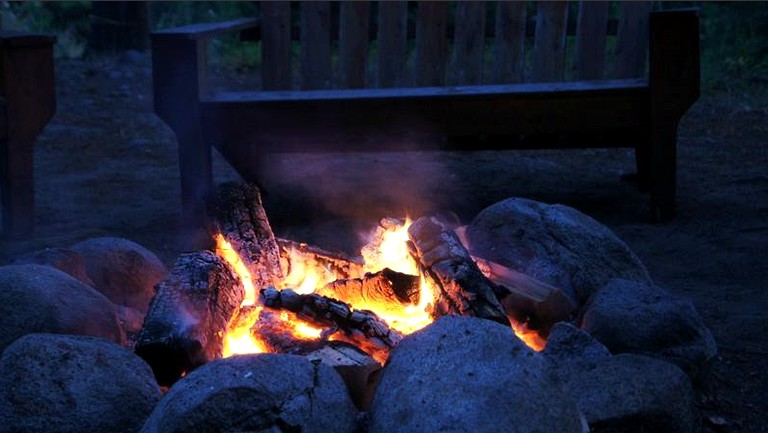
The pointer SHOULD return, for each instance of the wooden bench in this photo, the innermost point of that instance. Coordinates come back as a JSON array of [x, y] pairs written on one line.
[[434, 75], [27, 103]]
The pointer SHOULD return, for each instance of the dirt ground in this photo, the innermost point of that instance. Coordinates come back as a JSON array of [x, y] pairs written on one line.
[[105, 165]]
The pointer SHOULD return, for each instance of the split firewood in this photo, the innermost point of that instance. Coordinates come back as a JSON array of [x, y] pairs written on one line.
[[297, 257], [383, 287], [359, 327], [237, 215], [189, 315], [359, 371], [462, 287], [527, 299]]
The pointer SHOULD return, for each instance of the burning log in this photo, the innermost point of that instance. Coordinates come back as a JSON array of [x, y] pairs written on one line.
[[238, 216], [333, 265], [383, 287], [527, 299], [462, 287], [188, 315], [359, 327]]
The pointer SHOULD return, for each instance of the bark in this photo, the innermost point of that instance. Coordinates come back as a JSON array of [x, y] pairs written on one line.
[[462, 289], [238, 215], [385, 286], [360, 327], [297, 254], [189, 315]]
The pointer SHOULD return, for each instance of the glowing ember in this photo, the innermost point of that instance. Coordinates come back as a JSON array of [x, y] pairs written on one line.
[[387, 249]]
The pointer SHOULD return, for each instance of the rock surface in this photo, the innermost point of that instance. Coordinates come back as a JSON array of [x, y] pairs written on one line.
[[122, 270], [37, 298], [555, 244], [463, 374], [626, 393], [256, 393], [66, 383], [63, 259], [630, 317]]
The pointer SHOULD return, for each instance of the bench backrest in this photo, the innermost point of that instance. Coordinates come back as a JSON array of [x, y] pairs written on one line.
[[356, 44]]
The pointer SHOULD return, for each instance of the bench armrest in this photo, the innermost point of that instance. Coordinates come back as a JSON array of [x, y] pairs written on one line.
[[206, 30]]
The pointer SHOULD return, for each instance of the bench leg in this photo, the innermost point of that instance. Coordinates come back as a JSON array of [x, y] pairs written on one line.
[[643, 165], [196, 180], [663, 170], [17, 187]]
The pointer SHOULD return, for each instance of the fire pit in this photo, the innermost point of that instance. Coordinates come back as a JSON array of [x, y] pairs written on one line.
[[532, 312]]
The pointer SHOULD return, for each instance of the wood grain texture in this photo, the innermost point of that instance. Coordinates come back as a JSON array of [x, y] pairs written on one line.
[[392, 40], [315, 45], [431, 43], [276, 45], [591, 37], [353, 43], [632, 39], [509, 43], [467, 62], [549, 42]]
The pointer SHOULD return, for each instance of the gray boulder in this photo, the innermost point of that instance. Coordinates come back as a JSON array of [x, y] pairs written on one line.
[[256, 393], [627, 393], [555, 244], [122, 270], [37, 298], [63, 259], [463, 374], [66, 383], [630, 317]]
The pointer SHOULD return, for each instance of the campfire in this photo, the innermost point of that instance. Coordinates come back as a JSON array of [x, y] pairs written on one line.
[[262, 294]]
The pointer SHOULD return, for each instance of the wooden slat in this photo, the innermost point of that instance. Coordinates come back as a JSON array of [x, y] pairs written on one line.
[[509, 44], [549, 42], [315, 45], [353, 43], [468, 44], [276, 45], [591, 36], [632, 40], [392, 43], [431, 43]]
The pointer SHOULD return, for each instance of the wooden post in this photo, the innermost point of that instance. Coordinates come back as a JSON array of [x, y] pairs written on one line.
[[549, 42], [353, 43], [179, 76], [392, 43], [315, 45], [509, 46], [28, 102], [468, 44], [591, 36], [674, 82], [431, 43], [276, 45]]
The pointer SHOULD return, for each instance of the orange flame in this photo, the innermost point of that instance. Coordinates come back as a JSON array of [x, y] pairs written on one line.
[[387, 249]]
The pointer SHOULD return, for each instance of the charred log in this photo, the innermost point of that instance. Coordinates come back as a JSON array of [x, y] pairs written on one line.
[[359, 327], [527, 299], [188, 316], [237, 214], [382, 287], [462, 287], [296, 255]]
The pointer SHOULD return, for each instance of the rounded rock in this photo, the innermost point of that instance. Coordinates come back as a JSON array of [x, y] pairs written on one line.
[[37, 298], [256, 393], [463, 374], [67, 383], [555, 244], [122, 270]]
